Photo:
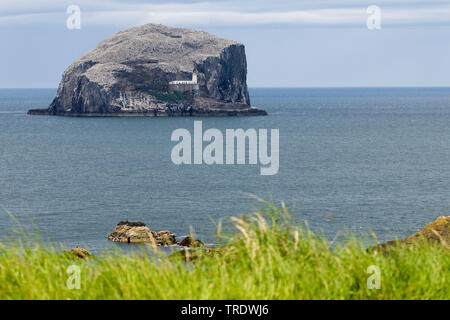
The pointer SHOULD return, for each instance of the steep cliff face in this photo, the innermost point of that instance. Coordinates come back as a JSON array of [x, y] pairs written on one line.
[[129, 74]]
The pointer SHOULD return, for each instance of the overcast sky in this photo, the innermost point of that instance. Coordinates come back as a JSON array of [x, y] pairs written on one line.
[[289, 43]]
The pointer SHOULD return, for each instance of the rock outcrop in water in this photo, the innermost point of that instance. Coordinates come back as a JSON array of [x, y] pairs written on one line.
[[154, 70], [138, 232], [191, 242], [81, 253]]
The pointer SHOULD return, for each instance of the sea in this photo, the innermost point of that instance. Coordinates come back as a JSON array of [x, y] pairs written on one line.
[[351, 160]]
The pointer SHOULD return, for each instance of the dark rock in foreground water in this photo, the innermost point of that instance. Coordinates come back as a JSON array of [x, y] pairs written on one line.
[[154, 70], [191, 242], [79, 253]]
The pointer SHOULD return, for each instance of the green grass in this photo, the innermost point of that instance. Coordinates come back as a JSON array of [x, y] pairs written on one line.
[[268, 256], [169, 97]]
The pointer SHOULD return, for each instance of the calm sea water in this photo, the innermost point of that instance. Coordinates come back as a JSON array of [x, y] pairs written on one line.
[[371, 158]]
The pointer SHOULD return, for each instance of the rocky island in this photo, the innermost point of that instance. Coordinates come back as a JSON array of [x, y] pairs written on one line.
[[138, 232], [154, 70]]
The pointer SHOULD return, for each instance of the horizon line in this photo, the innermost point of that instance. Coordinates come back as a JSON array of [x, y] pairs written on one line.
[[276, 87]]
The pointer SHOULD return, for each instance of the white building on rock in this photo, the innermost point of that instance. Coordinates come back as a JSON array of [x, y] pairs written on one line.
[[184, 85]]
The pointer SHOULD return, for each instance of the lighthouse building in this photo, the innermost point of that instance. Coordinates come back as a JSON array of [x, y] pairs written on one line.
[[184, 85]]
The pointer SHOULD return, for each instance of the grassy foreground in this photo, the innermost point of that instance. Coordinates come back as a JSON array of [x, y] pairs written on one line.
[[268, 257]]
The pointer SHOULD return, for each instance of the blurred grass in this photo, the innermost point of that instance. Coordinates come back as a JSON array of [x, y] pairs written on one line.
[[269, 256]]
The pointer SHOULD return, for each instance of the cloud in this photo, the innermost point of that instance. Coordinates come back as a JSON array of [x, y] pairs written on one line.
[[226, 13], [201, 17]]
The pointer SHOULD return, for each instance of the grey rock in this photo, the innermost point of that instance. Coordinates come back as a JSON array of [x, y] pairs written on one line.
[[129, 74]]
